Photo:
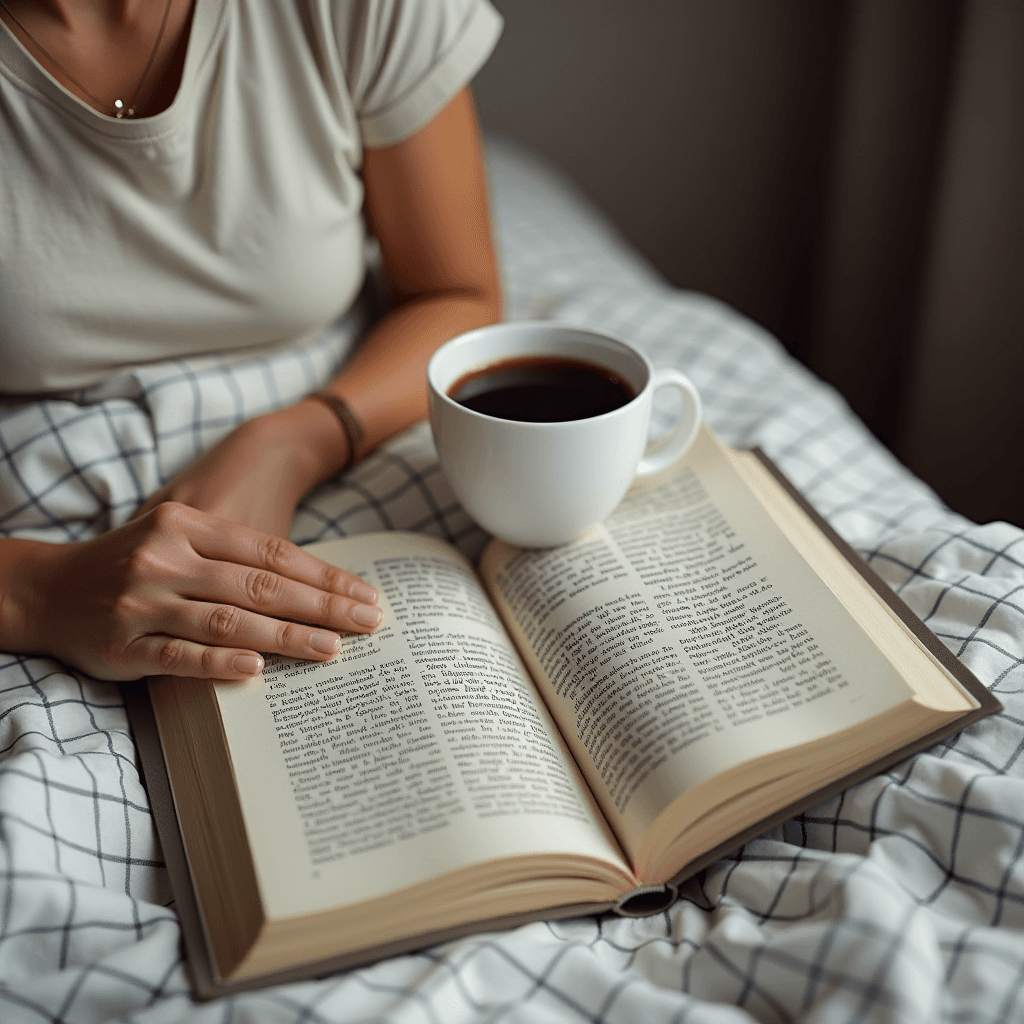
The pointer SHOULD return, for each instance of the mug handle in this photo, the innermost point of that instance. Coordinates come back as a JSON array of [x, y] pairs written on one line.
[[663, 452]]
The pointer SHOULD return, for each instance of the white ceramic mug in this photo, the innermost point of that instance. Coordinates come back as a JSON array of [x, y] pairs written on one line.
[[542, 484]]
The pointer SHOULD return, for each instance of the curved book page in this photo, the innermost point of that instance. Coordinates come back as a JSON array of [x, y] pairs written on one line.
[[414, 782], [703, 668]]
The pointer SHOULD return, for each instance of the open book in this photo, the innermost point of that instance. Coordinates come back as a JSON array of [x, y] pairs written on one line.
[[570, 731]]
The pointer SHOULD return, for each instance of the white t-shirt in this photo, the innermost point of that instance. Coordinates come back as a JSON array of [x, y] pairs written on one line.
[[231, 220]]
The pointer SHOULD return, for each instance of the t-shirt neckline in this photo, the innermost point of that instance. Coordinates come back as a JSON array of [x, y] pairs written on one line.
[[22, 69]]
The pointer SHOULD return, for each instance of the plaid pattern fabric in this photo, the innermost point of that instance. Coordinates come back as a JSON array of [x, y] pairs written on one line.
[[901, 900]]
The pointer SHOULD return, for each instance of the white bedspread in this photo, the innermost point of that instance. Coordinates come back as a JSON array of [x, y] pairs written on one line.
[[902, 900]]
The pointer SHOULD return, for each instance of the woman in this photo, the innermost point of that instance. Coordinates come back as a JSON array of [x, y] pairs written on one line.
[[190, 176]]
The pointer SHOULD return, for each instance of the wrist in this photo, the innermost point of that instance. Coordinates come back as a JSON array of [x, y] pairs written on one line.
[[350, 426], [314, 443], [25, 568]]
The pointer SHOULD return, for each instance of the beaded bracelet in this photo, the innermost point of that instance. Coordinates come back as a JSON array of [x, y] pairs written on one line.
[[347, 419]]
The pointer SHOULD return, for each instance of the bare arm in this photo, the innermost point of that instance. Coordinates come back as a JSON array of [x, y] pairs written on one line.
[[427, 203]]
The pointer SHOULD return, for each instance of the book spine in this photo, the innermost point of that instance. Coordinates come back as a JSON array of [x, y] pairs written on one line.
[[647, 900]]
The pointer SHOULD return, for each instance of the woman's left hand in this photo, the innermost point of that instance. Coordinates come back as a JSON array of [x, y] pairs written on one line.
[[259, 473]]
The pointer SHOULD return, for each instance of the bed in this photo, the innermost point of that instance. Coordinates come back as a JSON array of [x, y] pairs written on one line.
[[900, 900]]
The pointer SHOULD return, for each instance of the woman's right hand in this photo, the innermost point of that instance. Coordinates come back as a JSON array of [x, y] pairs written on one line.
[[178, 592]]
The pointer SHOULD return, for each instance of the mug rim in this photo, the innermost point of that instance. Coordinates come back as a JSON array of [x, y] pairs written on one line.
[[535, 326]]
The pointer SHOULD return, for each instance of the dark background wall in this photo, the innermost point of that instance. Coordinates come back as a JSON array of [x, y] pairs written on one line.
[[850, 174]]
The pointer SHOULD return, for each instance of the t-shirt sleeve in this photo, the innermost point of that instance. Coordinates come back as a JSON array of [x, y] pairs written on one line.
[[405, 59]]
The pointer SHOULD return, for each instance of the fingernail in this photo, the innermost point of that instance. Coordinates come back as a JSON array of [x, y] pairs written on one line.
[[247, 664], [325, 643], [366, 615], [364, 592]]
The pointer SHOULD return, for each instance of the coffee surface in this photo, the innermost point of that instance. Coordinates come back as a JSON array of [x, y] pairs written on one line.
[[540, 389]]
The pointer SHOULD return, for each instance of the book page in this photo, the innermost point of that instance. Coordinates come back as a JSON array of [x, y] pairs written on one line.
[[420, 749], [683, 637]]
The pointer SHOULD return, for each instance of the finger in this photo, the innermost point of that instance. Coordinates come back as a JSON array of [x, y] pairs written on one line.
[[276, 596], [227, 625], [174, 656], [222, 540]]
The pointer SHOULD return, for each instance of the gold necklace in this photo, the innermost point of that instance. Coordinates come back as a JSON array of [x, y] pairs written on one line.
[[121, 109]]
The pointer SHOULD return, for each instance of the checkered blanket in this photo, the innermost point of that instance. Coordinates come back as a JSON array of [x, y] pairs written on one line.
[[901, 900]]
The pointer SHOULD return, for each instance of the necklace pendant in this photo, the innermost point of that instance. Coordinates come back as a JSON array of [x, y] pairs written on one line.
[[119, 110]]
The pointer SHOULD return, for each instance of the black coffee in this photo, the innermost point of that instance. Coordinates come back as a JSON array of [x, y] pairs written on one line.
[[541, 389]]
